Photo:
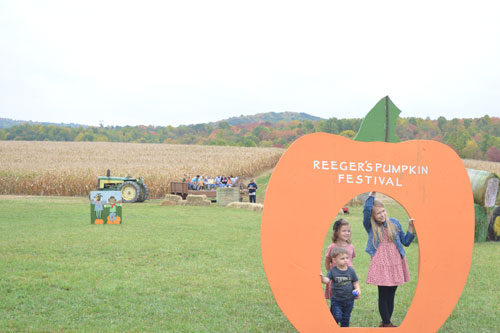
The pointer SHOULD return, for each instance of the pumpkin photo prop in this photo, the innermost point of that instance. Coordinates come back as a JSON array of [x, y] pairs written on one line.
[[105, 207], [425, 177]]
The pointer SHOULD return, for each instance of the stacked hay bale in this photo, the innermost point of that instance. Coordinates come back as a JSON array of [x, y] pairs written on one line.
[[191, 200], [246, 205], [227, 195], [485, 191], [197, 200], [171, 200]]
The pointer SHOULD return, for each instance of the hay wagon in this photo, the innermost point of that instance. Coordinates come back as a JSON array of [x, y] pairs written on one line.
[[181, 189]]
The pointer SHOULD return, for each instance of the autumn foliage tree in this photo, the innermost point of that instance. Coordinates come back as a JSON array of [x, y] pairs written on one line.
[[477, 138]]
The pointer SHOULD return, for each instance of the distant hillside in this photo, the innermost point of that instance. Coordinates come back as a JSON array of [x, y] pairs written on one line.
[[8, 123], [271, 117], [477, 138]]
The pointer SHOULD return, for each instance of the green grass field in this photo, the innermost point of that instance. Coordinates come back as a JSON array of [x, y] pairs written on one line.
[[178, 269]]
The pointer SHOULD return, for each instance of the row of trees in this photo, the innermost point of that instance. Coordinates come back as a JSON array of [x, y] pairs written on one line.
[[471, 138], [477, 138]]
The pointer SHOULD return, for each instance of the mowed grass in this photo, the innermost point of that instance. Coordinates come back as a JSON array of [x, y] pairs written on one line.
[[178, 269]]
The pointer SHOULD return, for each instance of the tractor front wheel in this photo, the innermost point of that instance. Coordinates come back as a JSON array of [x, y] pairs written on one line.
[[131, 191]]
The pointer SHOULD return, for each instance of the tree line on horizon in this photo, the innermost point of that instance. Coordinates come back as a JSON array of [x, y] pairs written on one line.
[[473, 138]]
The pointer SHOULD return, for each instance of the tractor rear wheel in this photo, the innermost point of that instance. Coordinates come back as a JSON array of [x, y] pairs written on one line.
[[145, 193], [131, 191]]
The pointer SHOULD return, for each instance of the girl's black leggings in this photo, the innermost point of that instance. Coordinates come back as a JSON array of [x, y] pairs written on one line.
[[386, 302]]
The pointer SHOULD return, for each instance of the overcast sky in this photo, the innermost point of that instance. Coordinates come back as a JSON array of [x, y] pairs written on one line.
[[184, 62]]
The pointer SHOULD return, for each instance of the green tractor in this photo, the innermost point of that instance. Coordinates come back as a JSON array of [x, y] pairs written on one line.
[[133, 189]]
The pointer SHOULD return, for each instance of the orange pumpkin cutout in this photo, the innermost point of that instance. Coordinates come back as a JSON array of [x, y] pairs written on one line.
[[116, 221], [318, 174]]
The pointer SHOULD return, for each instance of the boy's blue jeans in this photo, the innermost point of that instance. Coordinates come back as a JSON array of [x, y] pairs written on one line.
[[341, 311]]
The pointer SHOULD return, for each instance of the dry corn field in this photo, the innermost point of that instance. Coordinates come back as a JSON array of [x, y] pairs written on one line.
[[483, 165], [72, 168]]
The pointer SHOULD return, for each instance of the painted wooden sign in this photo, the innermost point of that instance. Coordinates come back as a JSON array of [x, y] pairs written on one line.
[[106, 207], [425, 177]]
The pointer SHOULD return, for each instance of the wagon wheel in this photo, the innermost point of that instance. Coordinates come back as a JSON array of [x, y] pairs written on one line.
[[130, 191]]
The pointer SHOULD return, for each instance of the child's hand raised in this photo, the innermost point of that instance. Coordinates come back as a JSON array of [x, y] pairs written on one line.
[[411, 227]]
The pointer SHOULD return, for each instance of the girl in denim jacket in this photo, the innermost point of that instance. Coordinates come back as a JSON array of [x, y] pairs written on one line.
[[388, 267]]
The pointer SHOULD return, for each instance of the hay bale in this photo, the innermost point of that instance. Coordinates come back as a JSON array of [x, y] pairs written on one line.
[[355, 203], [172, 197], [481, 223], [246, 205], [494, 225], [227, 195], [194, 198], [257, 207], [197, 200], [191, 200], [362, 197], [171, 200], [484, 187]]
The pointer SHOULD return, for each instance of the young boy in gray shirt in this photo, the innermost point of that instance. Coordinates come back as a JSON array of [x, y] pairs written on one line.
[[345, 286]]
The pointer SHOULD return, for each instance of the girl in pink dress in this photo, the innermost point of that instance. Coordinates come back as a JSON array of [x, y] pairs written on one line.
[[341, 237], [388, 267]]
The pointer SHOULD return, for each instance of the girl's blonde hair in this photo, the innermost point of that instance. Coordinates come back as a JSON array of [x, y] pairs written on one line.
[[378, 229], [336, 230]]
